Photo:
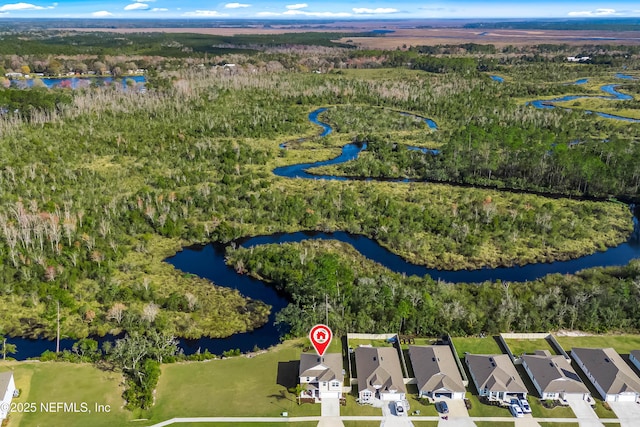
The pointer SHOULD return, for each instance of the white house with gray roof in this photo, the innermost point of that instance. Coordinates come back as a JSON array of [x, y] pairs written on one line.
[[379, 374], [7, 388], [495, 376], [436, 372], [321, 377], [609, 374], [553, 376]]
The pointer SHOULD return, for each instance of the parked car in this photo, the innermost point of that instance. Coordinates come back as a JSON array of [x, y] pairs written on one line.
[[516, 411], [525, 406], [442, 407], [400, 409]]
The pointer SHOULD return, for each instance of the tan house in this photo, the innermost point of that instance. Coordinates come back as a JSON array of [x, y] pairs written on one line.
[[495, 376], [609, 374], [553, 376], [321, 377], [379, 374], [7, 389], [436, 372]]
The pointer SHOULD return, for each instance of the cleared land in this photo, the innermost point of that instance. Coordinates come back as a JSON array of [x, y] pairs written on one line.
[[47, 384], [521, 346], [233, 387], [623, 344]]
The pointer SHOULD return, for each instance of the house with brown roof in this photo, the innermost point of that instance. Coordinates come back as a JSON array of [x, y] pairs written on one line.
[[379, 374], [321, 377], [7, 389], [553, 376], [495, 376], [609, 374], [436, 372]]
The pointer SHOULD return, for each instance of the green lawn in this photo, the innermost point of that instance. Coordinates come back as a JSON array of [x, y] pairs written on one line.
[[43, 383], [603, 412], [539, 411], [354, 408], [494, 424], [354, 343], [282, 424], [487, 345], [232, 387], [520, 346], [481, 410], [426, 409], [559, 424], [623, 344], [360, 423], [420, 341], [420, 424]]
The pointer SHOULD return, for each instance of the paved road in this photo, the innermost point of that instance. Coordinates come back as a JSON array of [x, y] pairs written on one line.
[[584, 412]]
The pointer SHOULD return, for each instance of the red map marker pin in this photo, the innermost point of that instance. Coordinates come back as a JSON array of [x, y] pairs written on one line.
[[320, 337]]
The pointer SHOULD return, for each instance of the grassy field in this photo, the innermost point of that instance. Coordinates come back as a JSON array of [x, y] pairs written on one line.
[[494, 424], [520, 346], [539, 411], [623, 344], [487, 345], [353, 408], [481, 410], [603, 412], [232, 387], [53, 382], [559, 424]]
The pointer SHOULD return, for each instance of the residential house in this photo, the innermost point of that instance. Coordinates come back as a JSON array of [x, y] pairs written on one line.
[[7, 389], [436, 372], [495, 376], [321, 377], [379, 374], [609, 374], [553, 376]]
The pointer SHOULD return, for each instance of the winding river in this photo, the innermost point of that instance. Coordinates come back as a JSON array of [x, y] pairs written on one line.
[[209, 261]]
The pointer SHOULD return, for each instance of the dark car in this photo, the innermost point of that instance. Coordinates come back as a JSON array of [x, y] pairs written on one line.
[[442, 407]]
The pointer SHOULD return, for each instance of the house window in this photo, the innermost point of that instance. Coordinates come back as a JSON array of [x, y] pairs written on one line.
[[335, 384], [308, 379]]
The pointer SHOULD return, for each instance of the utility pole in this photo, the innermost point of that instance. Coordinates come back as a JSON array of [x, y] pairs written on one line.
[[58, 330], [326, 309]]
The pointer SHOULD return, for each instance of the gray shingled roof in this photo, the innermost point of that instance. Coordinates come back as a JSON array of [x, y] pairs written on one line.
[[553, 373], [5, 377], [636, 354], [379, 368], [495, 372], [326, 369], [609, 370], [435, 369]]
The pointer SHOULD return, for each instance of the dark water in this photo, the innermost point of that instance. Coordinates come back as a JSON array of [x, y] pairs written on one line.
[[610, 89], [209, 262]]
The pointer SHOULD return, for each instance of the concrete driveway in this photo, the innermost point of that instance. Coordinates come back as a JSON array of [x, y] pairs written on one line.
[[390, 419], [628, 413], [330, 412], [584, 412], [458, 415]]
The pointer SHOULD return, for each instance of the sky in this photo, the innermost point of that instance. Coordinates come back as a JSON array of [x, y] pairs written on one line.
[[325, 9]]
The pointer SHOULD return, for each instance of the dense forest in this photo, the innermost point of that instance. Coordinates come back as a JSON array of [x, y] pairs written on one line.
[[101, 184]]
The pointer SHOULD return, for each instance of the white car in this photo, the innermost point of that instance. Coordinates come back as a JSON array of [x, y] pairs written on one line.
[[400, 409], [516, 411], [525, 406]]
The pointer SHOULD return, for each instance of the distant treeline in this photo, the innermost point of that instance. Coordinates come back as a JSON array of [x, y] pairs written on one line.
[[608, 24]]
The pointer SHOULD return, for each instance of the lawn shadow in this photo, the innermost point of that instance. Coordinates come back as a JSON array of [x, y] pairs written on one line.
[[288, 373]]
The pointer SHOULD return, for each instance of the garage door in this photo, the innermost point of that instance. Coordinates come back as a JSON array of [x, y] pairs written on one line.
[[330, 395], [444, 395], [626, 398]]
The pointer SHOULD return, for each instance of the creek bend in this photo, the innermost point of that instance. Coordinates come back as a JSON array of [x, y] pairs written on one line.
[[208, 261]]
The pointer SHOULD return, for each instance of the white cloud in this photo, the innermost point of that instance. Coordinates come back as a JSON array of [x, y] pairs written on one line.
[[236, 5], [101, 14], [597, 12], [145, 1], [292, 12], [159, 9], [268, 14], [21, 6], [374, 11], [136, 6], [204, 13], [296, 6]]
